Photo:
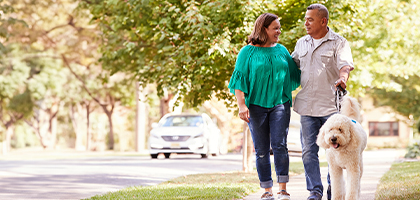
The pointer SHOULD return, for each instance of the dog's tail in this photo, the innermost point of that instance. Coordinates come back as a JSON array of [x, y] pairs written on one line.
[[351, 108]]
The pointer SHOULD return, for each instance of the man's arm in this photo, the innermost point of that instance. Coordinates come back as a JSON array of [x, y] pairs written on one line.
[[344, 77], [295, 58], [345, 59]]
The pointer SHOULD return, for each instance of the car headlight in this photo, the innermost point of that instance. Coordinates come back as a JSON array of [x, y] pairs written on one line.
[[152, 134], [199, 135]]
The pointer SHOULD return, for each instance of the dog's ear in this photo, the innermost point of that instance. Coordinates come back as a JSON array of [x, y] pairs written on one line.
[[355, 138], [320, 140]]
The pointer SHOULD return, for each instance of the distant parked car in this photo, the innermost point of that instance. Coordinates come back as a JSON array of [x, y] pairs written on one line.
[[293, 137], [185, 134]]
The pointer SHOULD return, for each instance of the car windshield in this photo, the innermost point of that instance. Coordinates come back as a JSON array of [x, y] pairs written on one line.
[[183, 121]]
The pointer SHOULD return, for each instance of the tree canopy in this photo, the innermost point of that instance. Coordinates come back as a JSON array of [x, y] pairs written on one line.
[[188, 47], [72, 53]]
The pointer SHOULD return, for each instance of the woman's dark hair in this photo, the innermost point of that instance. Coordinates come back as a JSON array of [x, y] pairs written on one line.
[[259, 35]]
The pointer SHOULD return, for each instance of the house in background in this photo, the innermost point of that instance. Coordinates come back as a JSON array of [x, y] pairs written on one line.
[[385, 128]]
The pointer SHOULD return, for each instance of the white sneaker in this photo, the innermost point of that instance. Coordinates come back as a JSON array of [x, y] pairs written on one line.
[[267, 196], [283, 195]]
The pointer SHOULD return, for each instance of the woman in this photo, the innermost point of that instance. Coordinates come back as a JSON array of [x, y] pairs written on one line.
[[262, 82]]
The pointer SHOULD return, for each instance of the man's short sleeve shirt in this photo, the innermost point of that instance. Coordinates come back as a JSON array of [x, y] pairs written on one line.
[[320, 66]]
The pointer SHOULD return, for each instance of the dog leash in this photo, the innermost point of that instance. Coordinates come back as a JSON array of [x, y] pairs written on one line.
[[339, 94]]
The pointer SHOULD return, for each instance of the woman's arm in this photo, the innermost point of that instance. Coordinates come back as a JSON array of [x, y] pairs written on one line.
[[243, 110]]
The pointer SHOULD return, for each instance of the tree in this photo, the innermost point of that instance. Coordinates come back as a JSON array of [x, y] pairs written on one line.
[[387, 54], [61, 30], [406, 101], [5, 9], [112, 92], [15, 100], [186, 47], [176, 44], [48, 92]]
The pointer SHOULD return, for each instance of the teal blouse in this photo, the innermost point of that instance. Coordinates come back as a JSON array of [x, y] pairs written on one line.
[[266, 75]]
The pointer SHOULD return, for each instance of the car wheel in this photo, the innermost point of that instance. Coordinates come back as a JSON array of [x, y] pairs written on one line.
[[167, 155], [204, 155], [216, 154], [154, 156]]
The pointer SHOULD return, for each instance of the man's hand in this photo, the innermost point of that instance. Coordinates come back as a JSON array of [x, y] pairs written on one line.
[[342, 83]]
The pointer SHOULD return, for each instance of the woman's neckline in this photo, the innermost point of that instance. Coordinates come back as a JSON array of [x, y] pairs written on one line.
[[264, 47]]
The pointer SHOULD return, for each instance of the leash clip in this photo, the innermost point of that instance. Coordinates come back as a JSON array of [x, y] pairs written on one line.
[[339, 94]]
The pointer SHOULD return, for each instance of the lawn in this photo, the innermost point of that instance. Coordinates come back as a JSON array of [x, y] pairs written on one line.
[[229, 185], [402, 181], [226, 185]]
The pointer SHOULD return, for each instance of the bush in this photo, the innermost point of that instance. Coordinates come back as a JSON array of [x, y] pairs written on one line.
[[413, 150]]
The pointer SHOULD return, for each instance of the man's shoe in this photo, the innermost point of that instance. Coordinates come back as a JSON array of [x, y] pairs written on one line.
[[315, 196], [329, 192]]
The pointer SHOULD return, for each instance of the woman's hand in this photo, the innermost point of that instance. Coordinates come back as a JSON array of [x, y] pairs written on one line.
[[244, 113], [243, 110]]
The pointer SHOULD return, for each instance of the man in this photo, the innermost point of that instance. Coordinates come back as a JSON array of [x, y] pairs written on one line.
[[325, 60]]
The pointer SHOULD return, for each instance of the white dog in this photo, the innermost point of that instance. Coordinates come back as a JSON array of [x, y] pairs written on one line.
[[344, 139]]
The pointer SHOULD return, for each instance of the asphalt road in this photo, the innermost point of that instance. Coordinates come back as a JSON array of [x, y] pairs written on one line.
[[65, 176]]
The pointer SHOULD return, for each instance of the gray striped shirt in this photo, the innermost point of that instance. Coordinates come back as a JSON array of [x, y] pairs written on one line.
[[320, 66]]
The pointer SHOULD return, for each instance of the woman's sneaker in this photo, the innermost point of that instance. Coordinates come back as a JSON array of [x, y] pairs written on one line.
[[267, 196], [283, 195]]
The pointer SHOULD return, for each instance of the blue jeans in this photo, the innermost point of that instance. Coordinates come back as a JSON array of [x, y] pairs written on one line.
[[308, 134], [270, 126]]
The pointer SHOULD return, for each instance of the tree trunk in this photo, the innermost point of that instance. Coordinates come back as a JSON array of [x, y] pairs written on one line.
[[164, 105], [40, 137], [35, 124], [52, 125], [111, 130], [6, 143], [88, 136], [77, 123]]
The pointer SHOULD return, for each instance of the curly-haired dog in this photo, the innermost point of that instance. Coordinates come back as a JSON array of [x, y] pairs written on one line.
[[344, 139]]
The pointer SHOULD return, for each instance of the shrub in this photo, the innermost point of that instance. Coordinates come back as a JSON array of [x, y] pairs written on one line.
[[413, 150]]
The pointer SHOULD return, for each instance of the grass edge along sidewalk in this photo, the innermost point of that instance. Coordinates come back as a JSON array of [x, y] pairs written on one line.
[[224, 185], [402, 181]]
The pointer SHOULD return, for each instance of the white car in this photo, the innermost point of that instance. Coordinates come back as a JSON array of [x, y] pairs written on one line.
[[293, 137], [185, 133]]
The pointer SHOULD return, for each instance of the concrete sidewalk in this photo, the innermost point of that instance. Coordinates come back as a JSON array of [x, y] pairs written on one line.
[[376, 163]]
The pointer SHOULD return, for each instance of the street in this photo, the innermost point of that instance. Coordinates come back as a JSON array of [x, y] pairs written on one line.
[[77, 178]]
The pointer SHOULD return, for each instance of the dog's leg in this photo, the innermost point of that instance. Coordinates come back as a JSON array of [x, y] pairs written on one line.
[[354, 175], [337, 183]]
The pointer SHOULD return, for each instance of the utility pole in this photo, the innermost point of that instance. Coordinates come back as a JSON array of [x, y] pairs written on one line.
[[141, 117], [247, 148]]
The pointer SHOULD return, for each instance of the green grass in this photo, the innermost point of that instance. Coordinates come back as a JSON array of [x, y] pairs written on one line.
[[296, 168], [226, 185], [183, 191], [231, 185], [402, 181]]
